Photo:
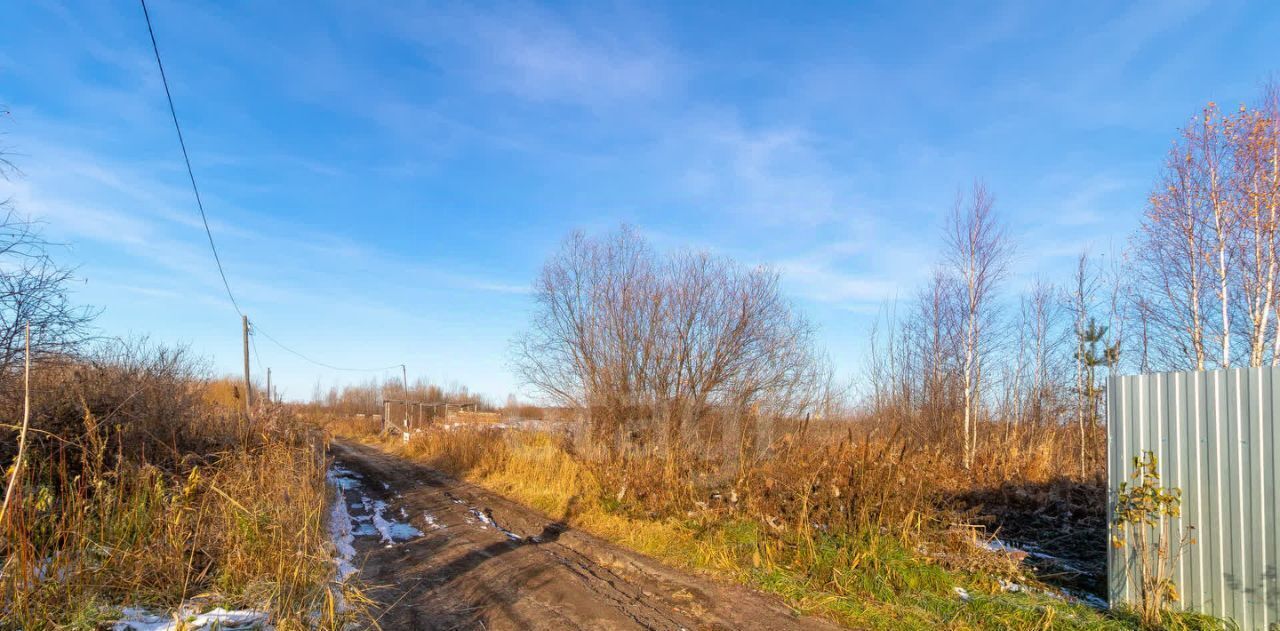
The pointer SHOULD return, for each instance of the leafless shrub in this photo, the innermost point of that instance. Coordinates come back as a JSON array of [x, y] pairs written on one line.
[[659, 350], [34, 290], [141, 398]]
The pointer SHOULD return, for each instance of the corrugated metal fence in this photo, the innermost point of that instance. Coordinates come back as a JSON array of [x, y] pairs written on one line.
[[1215, 433]]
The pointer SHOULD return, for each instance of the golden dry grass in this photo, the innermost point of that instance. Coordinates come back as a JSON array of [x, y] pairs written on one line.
[[846, 526], [241, 527]]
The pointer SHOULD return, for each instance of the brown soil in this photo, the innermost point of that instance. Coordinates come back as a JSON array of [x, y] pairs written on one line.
[[1062, 524], [539, 574]]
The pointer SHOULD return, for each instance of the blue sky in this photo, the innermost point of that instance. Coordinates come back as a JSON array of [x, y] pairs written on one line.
[[384, 180]]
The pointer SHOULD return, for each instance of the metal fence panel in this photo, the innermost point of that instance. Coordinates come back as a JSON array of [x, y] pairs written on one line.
[[1216, 436]]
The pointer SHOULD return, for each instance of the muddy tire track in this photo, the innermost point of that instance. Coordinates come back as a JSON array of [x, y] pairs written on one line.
[[484, 562]]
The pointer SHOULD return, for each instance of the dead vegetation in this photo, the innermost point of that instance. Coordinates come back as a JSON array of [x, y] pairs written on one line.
[[140, 492], [134, 480], [859, 527]]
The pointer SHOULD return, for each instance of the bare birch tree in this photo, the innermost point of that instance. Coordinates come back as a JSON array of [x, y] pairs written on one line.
[[1214, 221], [932, 331], [1170, 250], [978, 250], [1254, 186], [1208, 143]]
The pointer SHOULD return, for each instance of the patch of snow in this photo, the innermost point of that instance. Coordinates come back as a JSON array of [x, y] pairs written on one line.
[[1009, 586], [482, 517], [1064, 594], [996, 545], [430, 520], [403, 532], [379, 522], [340, 532], [136, 619], [1093, 601], [1084, 598], [487, 520], [1028, 550], [1060, 562], [49, 569], [962, 593]]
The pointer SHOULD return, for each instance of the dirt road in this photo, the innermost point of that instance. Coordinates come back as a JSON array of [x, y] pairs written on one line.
[[444, 554]]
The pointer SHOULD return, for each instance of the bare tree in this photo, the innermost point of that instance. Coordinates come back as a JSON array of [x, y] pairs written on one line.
[[1254, 188], [936, 329], [1041, 315], [1209, 146], [1214, 220], [634, 339], [594, 328], [1096, 345], [1121, 300], [34, 290], [978, 253], [1170, 250]]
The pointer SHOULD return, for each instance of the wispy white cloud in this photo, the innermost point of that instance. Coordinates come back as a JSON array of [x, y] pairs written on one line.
[[774, 175], [825, 282], [539, 59], [544, 56]]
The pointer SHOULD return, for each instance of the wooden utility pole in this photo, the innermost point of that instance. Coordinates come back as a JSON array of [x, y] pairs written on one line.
[[270, 398], [404, 376], [248, 386]]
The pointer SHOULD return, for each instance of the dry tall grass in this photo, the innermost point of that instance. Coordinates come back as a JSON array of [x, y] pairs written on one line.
[[858, 524], [860, 521], [158, 497]]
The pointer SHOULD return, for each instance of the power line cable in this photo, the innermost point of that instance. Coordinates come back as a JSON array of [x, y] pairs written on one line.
[[190, 173], [253, 343], [256, 329], [173, 112]]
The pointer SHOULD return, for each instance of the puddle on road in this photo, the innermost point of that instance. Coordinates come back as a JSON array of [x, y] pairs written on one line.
[[354, 514], [389, 531]]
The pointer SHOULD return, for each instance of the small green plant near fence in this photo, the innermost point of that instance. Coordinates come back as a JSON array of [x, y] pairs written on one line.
[[1142, 518]]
